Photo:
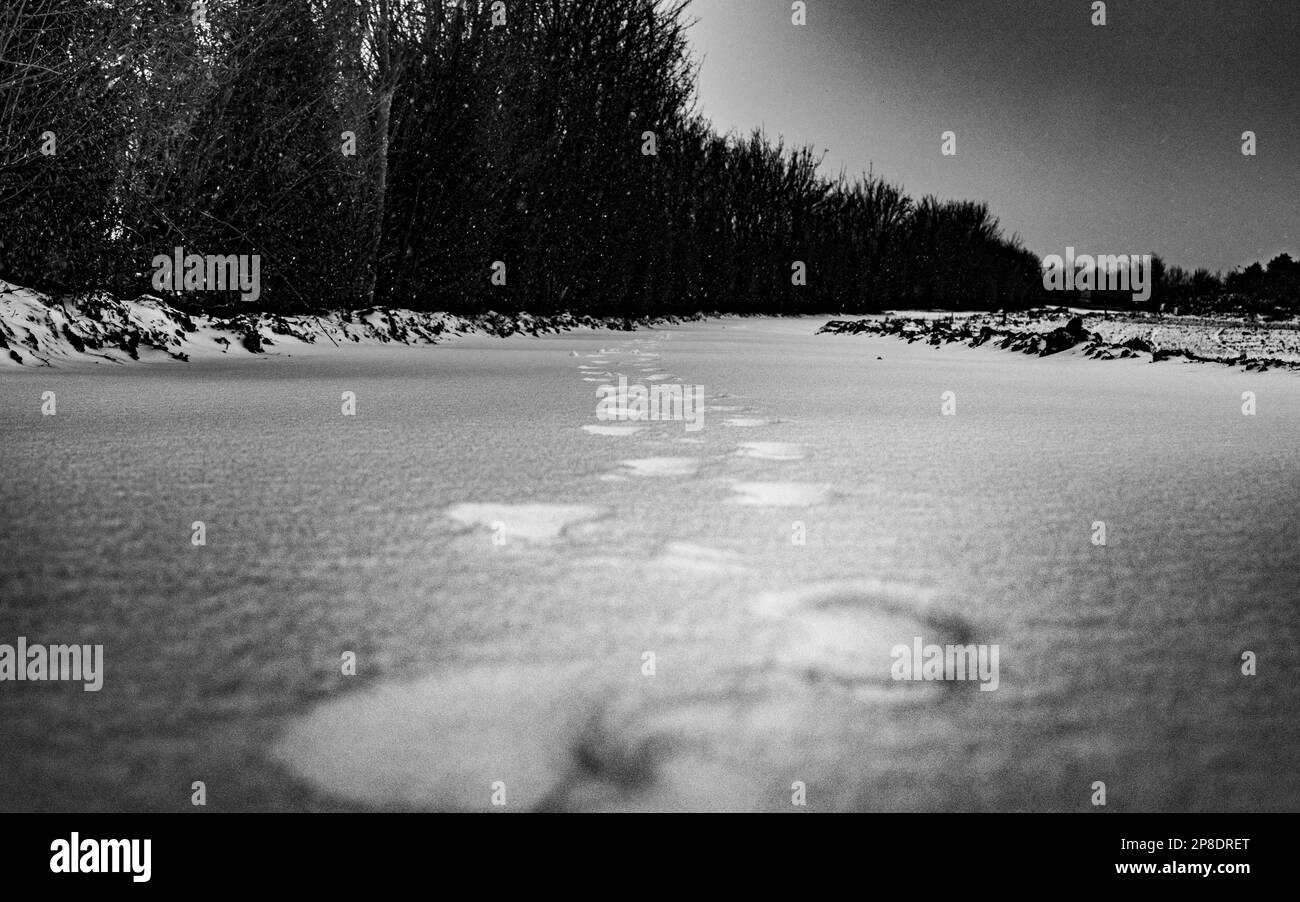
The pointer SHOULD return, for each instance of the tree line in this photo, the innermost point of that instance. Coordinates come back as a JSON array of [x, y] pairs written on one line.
[[538, 155], [1269, 289]]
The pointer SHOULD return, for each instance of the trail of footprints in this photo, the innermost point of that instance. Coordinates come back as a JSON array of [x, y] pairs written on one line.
[[596, 369], [442, 740]]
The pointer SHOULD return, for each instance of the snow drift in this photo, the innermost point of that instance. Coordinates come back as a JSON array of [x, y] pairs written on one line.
[[37, 330]]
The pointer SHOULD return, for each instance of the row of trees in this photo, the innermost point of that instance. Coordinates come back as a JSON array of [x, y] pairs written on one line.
[[1272, 288], [518, 154], [1258, 288]]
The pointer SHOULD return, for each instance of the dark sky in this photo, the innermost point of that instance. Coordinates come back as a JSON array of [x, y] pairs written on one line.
[[1117, 139]]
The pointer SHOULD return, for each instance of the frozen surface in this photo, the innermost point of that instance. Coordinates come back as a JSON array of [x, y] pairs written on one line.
[[501, 570]]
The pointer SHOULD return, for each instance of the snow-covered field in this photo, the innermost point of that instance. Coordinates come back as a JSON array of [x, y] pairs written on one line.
[[501, 563]]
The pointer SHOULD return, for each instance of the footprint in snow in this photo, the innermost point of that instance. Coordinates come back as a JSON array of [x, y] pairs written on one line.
[[662, 466], [442, 742], [613, 431], [780, 494], [846, 633], [525, 522], [686, 556], [771, 451]]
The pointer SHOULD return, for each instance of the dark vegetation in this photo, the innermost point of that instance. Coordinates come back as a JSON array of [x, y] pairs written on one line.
[[478, 133], [1260, 291], [1269, 291], [484, 132]]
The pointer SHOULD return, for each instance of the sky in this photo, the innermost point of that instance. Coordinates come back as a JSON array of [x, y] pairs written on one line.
[[1122, 138]]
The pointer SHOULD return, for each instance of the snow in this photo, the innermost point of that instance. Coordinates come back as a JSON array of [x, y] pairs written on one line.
[[612, 431], [781, 494], [98, 329], [530, 522], [771, 450], [662, 466], [524, 662]]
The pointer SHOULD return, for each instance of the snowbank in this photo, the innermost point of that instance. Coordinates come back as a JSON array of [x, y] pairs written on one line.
[[38, 330], [1234, 342]]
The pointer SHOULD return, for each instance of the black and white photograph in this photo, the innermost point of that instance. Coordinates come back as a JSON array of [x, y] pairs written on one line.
[[868, 407]]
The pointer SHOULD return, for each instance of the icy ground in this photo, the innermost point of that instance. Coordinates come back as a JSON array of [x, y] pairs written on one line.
[[501, 562]]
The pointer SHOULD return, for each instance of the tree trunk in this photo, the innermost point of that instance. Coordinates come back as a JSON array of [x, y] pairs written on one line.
[[382, 117]]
